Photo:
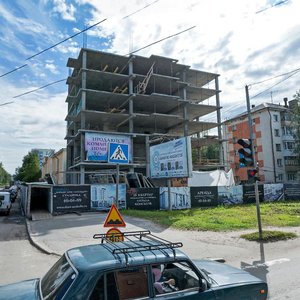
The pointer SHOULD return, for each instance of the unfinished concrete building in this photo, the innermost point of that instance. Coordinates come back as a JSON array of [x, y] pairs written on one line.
[[151, 100]]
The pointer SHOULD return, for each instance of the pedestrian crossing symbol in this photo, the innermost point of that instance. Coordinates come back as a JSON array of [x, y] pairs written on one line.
[[118, 153]]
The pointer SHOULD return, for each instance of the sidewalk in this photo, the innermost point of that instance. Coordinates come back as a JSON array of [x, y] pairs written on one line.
[[60, 233]]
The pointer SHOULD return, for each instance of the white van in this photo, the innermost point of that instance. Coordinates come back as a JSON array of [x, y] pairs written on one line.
[[5, 202]]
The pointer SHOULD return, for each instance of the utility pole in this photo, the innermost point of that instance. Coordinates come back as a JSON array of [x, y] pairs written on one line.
[[254, 162]]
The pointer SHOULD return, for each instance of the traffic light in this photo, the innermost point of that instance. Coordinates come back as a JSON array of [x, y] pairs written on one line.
[[246, 155], [252, 175]]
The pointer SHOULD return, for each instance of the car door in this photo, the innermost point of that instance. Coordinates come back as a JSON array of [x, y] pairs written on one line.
[[184, 283]]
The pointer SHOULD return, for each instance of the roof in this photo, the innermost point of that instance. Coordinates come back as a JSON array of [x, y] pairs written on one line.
[[108, 255], [257, 108]]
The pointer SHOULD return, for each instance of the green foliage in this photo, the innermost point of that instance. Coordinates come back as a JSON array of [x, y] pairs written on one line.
[[30, 170], [269, 236], [225, 218], [206, 152], [4, 176]]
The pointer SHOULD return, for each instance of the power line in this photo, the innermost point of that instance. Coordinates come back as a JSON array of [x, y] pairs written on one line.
[[284, 74], [295, 72], [140, 9], [6, 103], [40, 88], [16, 69], [271, 6], [70, 37], [51, 47], [170, 36]]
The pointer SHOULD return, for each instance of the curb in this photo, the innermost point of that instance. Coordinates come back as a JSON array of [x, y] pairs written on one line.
[[34, 243]]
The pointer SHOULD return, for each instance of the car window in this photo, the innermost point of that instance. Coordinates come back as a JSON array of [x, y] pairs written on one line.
[[130, 283], [174, 277], [57, 280]]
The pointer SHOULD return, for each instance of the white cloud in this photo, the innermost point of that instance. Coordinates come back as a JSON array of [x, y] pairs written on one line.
[[67, 12], [52, 68]]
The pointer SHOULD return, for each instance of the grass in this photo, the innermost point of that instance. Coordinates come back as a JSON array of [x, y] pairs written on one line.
[[269, 236], [227, 218]]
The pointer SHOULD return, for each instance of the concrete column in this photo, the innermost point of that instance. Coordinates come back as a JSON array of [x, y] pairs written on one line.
[[221, 156], [131, 91], [185, 113]]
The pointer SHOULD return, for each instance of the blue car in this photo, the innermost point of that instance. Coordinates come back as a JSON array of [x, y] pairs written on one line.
[[139, 266]]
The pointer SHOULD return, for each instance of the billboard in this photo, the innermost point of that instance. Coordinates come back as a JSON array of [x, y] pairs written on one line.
[[104, 195], [71, 198], [180, 197], [203, 196], [171, 159], [97, 145], [143, 198]]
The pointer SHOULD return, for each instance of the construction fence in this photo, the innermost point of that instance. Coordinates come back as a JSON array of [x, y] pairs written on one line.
[[100, 197]]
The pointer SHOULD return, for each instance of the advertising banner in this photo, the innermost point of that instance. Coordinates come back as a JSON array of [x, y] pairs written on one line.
[[180, 197], [291, 191], [171, 159], [230, 195], [104, 195], [204, 196], [273, 192], [97, 145], [71, 198], [143, 198], [249, 193]]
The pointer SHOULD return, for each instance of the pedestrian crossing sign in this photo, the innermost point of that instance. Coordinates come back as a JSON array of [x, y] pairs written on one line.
[[118, 153]]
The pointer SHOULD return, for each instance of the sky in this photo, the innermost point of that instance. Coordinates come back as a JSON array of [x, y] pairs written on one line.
[[246, 42]]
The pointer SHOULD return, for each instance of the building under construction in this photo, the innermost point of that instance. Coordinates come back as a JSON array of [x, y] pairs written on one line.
[[149, 100]]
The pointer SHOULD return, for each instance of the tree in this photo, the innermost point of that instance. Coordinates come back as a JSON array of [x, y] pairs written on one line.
[[30, 170], [4, 176]]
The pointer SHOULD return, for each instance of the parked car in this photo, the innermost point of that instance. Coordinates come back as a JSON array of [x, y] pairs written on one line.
[[5, 202], [133, 268]]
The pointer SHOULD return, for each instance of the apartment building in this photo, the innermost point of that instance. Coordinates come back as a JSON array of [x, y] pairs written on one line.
[[54, 167], [137, 101], [274, 143]]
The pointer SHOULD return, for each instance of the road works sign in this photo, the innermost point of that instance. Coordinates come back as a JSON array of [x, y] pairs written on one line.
[[115, 235], [114, 218], [118, 153]]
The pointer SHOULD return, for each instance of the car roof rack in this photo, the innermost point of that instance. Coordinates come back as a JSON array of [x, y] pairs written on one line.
[[156, 243]]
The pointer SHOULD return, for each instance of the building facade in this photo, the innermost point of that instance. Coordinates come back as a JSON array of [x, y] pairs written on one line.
[[274, 144], [54, 167], [136, 101]]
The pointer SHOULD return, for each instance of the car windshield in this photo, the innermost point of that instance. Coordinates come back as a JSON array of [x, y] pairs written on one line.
[[57, 280]]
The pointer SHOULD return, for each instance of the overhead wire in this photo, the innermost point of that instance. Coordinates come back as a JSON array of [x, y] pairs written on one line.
[[51, 47], [262, 92], [163, 39]]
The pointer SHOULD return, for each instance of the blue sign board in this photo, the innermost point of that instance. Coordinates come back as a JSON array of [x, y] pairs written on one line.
[[118, 153]]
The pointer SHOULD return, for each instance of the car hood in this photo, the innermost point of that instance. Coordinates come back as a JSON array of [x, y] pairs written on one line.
[[23, 290], [223, 274]]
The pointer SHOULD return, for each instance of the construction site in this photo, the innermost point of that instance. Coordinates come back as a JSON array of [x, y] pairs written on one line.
[[145, 100]]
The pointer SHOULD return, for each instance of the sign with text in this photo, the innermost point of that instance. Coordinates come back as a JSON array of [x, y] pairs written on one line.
[[143, 198], [71, 198], [171, 159], [97, 145], [291, 191], [115, 235], [204, 196], [249, 193]]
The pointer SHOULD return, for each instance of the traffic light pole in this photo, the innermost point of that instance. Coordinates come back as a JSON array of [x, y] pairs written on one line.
[[254, 162]]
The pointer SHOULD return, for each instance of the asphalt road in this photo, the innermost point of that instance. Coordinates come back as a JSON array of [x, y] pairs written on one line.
[[19, 260], [277, 263]]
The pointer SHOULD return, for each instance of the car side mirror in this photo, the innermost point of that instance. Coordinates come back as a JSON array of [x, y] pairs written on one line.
[[203, 285]]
